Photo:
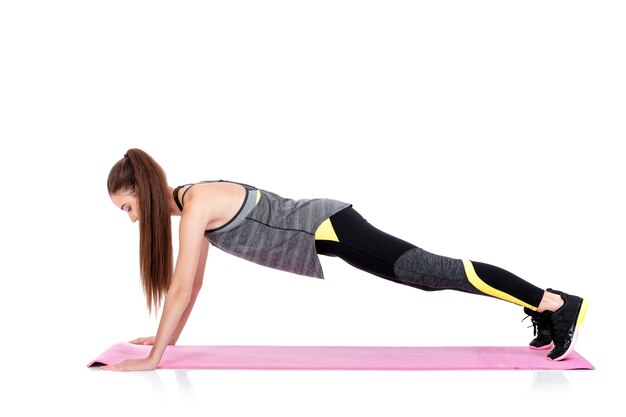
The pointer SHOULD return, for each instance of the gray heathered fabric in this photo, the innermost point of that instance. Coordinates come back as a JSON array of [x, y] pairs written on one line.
[[247, 207], [427, 271], [277, 232]]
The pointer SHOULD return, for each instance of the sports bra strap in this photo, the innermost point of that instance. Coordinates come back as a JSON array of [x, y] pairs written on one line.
[[177, 189], [176, 200]]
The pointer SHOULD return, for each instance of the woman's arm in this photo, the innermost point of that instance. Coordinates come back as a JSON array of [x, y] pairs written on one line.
[[197, 285], [179, 294]]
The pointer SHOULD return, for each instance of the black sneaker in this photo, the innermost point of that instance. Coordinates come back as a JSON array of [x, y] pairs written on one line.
[[541, 329], [565, 323]]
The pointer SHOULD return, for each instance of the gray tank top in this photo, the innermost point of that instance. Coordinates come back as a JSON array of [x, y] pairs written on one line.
[[274, 231]]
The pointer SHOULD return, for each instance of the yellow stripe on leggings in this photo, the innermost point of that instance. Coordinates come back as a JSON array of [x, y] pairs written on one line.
[[475, 280], [325, 231], [258, 196]]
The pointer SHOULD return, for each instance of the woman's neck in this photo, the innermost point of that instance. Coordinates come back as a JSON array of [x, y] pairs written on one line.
[[174, 211]]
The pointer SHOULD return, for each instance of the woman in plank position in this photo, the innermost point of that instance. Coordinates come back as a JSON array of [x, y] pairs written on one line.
[[265, 228]]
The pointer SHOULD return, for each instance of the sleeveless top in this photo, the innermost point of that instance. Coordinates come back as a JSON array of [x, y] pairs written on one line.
[[273, 231]]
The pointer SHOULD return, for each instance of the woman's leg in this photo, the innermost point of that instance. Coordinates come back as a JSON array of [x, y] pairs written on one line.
[[349, 236], [362, 245]]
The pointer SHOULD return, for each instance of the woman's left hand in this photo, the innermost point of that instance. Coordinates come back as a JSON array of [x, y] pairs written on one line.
[[145, 364]]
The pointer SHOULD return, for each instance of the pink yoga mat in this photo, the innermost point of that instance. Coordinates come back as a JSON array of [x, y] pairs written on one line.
[[345, 357]]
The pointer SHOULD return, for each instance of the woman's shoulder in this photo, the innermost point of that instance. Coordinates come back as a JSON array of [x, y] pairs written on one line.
[[217, 202], [216, 189]]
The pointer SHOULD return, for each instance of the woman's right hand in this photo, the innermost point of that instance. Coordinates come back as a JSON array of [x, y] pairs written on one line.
[[143, 340], [147, 341]]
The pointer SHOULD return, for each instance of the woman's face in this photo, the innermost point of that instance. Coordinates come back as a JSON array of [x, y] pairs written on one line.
[[127, 202]]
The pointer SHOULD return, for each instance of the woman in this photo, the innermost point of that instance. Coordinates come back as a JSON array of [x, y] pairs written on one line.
[[285, 234]]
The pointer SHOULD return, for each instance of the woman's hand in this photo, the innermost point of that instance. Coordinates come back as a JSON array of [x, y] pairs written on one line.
[[145, 364], [147, 341], [143, 341]]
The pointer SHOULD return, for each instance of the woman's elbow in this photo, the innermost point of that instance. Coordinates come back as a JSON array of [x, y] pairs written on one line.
[[180, 293]]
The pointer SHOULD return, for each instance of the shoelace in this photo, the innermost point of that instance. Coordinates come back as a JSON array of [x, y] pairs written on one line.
[[538, 324], [534, 324]]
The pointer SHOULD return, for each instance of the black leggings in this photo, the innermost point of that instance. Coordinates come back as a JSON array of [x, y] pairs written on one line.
[[365, 247]]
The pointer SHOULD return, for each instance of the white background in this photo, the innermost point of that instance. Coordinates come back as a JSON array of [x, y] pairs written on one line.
[[487, 130]]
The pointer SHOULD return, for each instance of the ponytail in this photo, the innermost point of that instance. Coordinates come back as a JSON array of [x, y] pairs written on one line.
[[142, 176]]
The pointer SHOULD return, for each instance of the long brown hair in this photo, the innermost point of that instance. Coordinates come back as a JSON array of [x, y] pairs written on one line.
[[139, 174]]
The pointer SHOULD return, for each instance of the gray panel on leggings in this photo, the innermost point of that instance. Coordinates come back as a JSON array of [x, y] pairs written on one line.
[[427, 271]]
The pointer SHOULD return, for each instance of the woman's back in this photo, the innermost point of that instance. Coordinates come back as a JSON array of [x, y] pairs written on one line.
[[223, 198]]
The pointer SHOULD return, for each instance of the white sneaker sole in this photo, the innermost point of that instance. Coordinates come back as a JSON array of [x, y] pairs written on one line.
[[544, 347]]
